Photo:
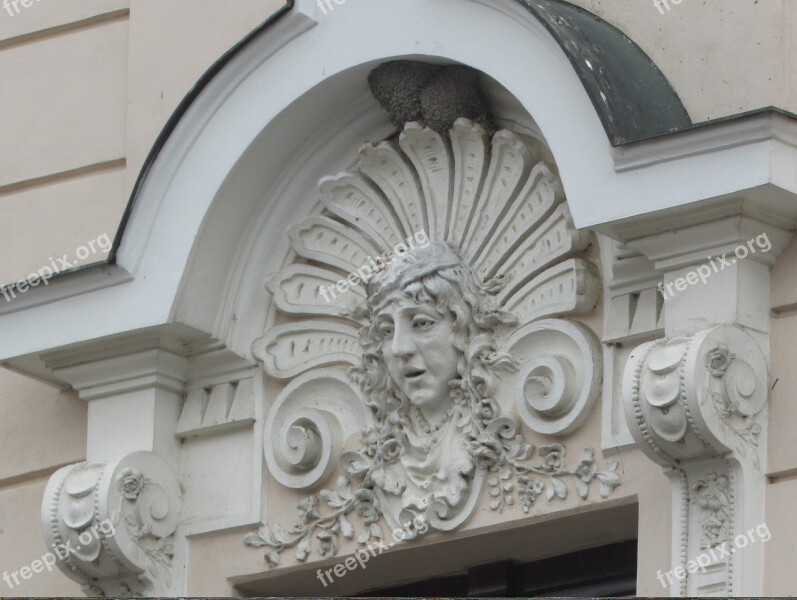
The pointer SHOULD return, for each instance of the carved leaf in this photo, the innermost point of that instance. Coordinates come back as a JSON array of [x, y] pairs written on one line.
[[289, 350], [569, 288], [429, 154], [303, 549], [254, 540], [469, 146], [273, 559], [560, 487], [549, 490], [343, 488], [509, 167], [354, 199], [555, 239], [536, 201], [582, 488], [346, 528], [398, 182], [331, 498], [279, 533], [610, 479], [307, 290]]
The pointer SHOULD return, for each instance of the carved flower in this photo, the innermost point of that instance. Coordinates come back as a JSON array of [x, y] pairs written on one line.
[[711, 493], [370, 441], [327, 543], [486, 410], [553, 457], [586, 467], [486, 451], [389, 448], [365, 505], [714, 529], [307, 508], [130, 482], [718, 359]]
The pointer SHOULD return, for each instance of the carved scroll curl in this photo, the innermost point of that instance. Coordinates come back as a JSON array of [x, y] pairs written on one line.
[[306, 425], [111, 525], [560, 375], [697, 396]]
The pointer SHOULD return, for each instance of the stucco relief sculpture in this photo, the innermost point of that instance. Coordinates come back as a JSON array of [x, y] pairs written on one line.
[[697, 405], [445, 341], [690, 396], [115, 523]]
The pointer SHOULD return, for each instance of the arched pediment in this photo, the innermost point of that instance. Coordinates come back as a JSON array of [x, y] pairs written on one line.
[[300, 77]]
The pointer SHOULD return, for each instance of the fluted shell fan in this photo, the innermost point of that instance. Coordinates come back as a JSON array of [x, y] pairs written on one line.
[[494, 200]]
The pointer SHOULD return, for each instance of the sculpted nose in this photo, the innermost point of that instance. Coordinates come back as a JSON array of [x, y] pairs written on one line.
[[402, 345]]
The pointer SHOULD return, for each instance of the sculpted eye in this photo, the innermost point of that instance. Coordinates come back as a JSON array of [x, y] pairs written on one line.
[[385, 331], [422, 323]]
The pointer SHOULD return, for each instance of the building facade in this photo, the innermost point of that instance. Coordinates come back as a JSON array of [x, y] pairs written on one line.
[[357, 295]]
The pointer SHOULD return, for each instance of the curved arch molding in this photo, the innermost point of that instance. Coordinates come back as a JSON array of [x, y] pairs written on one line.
[[631, 108]]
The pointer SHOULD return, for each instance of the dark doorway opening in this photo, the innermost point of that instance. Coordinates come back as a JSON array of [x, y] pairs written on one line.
[[606, 571]]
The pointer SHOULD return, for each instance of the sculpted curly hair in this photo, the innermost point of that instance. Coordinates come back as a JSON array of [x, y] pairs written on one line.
[[451, 289]]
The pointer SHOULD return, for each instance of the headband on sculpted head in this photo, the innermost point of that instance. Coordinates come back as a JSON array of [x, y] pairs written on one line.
[[410, 267]]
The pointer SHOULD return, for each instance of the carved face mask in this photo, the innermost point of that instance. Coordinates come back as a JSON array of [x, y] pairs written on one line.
[[418, 353]]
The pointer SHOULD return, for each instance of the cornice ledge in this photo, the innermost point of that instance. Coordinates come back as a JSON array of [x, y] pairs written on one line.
[[695, 235], [136, 362], [706, 138]]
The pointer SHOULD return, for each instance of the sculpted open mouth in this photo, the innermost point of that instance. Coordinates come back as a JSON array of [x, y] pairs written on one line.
[[413, 374]]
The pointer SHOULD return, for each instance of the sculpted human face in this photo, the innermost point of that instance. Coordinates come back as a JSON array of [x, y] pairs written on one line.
[[418, 353]]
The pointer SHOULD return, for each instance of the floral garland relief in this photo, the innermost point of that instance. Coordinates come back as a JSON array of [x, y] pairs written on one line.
[[500, 451], [712, 496], [133, 509], [735, 394]]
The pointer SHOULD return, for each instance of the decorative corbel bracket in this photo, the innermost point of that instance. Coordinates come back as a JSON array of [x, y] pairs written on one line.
[[110, 526], [696, 404]]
